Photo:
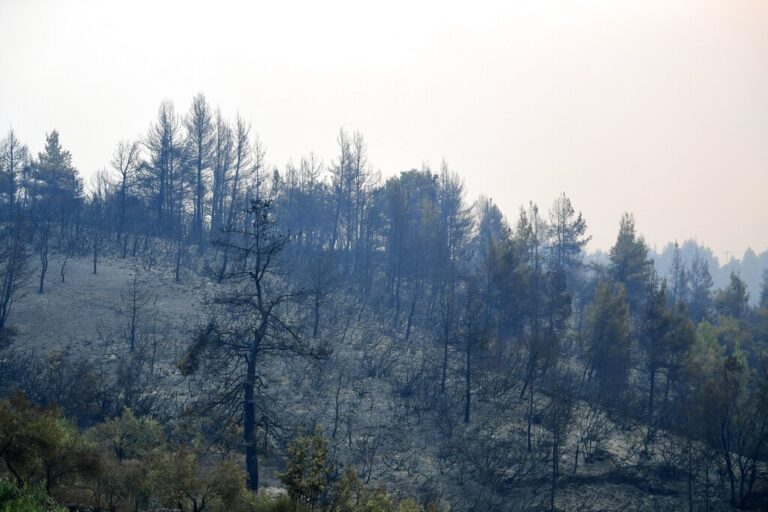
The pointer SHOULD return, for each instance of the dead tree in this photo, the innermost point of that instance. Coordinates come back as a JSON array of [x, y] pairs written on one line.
[[135, 301], [13, 267], [125, 161], [255, 321], [558, 419], [42, 247]]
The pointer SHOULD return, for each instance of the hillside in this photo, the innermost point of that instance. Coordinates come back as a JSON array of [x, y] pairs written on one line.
[[225, 329], [364, 397]]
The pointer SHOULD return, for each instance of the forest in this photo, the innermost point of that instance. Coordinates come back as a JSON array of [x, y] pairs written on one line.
[[195, 330]]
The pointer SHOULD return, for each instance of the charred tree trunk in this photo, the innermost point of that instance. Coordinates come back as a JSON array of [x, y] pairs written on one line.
[[43, 257], [467, 382], [410, 320], [249, 423], [316, 311]]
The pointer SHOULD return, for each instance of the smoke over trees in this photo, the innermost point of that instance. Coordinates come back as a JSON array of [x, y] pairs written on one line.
[[427, 342]]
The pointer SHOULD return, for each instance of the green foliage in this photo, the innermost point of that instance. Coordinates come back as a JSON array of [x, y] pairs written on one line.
[[27, 435], [700, 296], [58, 180], [733, 301], [283, 503], [350, 495], [706, 351], [177, 479], [667, 333], [191, 359], [128, 437], [764, 291], [127, 465], [308, 470], [630, 264], [39, 445], [8, 491], [729, 414], [609, 341], [308, 480], [26, 499], [123, 485]]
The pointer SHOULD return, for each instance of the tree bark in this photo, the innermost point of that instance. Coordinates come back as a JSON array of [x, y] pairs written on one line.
[[249, 424], [467, 389]]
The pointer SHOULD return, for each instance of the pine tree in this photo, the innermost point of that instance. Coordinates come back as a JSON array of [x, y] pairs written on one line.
[[678, 278], [609, 341], [630, 264], [308, 469], [200, 145], [57, 186], [700, 298], [733, 301]]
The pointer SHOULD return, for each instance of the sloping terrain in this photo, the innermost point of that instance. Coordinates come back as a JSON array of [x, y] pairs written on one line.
[[371, 397], [89, 307]]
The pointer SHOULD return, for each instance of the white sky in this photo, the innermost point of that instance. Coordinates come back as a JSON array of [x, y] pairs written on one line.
[[654, 107]]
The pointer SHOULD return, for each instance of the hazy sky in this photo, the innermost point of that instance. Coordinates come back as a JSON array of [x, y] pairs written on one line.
[[655, 107]]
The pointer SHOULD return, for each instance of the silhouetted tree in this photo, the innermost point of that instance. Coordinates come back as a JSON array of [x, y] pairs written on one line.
[[700, 299], [609, 341], [630, 264], [258, 323], [678, 278], [14, 158], [733, 301], [200, 138], [13, 266], [125, 161]]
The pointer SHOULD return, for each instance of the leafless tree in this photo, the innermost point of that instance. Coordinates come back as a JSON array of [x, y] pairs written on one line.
[[101, 190], [43, 231], [558, 419], [135, 302], [257, 321], [200, 141], [13, 267], [14, 157], [223, 156], [125, 161]]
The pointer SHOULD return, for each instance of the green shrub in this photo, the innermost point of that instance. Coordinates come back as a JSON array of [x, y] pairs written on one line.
[[26, 499]]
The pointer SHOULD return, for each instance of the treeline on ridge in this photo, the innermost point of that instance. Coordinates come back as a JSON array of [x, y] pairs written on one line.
[[490, 310]]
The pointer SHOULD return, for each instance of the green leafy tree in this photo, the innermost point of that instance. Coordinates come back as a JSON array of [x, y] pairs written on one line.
[[678, 278], [26, 499], [38, 445], [180, 480], [128, 437], [350, 495], [733, 300], [731, 403], [700, 283], [57, 187], [609, 341], [630, 264], [666, 335], [760, 326], [308, 470], [28, 435]]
